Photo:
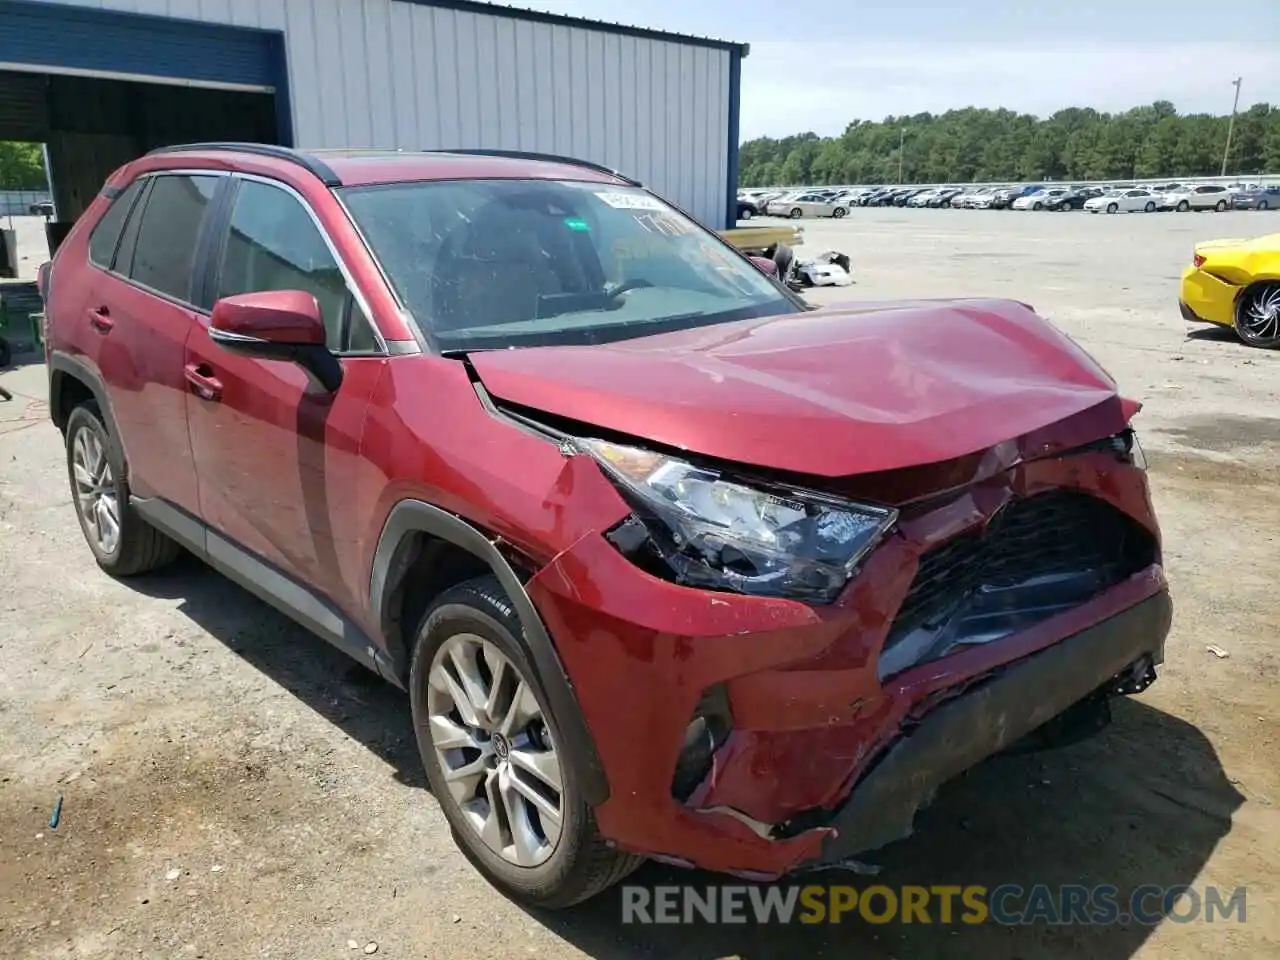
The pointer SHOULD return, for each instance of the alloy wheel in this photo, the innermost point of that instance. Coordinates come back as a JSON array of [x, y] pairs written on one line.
[[1258, 320], [494, 749], [95, 490]]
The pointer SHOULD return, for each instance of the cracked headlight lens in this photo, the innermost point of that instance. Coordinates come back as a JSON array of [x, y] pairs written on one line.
[[716, 533]]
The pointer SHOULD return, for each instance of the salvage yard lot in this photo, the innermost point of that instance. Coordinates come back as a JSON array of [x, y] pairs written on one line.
[[189, 728]]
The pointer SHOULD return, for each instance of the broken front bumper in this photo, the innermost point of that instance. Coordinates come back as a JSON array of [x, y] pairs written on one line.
[[990, 716]]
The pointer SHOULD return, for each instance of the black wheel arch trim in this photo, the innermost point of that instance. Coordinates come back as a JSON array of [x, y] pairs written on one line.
[[390, 563], [62, 364]]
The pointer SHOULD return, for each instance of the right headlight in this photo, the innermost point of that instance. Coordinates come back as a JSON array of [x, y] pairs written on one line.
[[720, 534]]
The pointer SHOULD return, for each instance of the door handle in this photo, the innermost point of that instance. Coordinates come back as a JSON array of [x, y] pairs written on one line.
[[100, 319], [203, 383]]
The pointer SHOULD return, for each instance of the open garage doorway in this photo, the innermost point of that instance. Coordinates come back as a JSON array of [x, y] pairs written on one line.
[[91, 125], [101, 87]]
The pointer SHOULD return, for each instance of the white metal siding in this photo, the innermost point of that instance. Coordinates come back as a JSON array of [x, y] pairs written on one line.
[[387, 73]]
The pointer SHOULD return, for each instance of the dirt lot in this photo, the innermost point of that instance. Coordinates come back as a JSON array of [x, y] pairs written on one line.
[[233, 787]]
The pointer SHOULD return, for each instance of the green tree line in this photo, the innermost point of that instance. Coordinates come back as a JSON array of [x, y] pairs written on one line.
[[974, 144], [21, 166]]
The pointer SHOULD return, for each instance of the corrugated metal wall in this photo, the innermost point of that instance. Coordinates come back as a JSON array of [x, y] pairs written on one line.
[[390, 73]]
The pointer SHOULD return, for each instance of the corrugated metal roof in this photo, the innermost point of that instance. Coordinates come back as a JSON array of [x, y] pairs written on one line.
[[540, 16]]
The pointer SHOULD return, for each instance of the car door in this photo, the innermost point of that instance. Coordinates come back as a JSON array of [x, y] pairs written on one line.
[[276, 454], [141, 308]]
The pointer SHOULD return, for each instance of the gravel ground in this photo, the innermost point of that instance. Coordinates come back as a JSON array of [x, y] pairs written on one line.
[[233, 787]]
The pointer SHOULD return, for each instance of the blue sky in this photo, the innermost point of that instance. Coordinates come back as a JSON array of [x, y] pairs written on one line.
[[815, 66]]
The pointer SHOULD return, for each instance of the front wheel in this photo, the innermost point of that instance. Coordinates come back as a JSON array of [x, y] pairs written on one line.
[[1150, 207], [1220, 206], [123, 543], [1038, 206], [839, 212], [1258, 316], [1183, 206], [744, 213], [1112, 207], [1262, 204], [495, 761]]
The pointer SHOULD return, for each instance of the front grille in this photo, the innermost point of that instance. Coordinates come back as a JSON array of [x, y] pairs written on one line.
[[1057, 533]]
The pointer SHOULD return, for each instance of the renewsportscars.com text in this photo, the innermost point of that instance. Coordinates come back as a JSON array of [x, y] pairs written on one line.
[[1008, 904]]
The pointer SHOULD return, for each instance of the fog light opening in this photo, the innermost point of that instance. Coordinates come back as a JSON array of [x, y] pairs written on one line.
[[706, 733]]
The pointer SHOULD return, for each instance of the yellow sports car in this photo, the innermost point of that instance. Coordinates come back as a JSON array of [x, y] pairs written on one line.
[[1236, 283]]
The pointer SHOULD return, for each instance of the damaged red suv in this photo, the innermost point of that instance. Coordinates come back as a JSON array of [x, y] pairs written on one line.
[[670, 564]]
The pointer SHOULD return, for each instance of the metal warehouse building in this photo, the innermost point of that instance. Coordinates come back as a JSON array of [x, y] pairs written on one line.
[[102, 81]]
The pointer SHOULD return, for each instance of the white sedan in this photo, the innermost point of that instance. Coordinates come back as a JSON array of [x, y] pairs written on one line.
[[799, 205], [1136, 200]]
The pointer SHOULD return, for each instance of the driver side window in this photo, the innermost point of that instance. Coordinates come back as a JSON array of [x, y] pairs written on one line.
[[273, 244]]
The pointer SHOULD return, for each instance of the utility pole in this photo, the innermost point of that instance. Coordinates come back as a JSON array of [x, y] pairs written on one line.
[[1231, 124], [902, 139]]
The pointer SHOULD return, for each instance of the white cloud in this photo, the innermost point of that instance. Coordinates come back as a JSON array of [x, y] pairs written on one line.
[[785, 91]]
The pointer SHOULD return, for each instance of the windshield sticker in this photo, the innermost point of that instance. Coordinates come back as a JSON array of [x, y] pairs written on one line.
[[630, 201]]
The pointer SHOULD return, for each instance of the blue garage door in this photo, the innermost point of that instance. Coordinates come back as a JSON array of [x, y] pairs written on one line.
[[75, 39]]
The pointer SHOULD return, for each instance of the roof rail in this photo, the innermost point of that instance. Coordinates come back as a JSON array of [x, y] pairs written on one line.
[[547, 157], [309, 163]]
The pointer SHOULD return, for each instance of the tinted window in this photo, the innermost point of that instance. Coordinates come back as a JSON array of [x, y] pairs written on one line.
[[106, 235], [165, 249], [275, 245]]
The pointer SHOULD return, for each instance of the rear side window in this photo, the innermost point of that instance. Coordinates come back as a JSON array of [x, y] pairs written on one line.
[[165, 250], [106, 234]]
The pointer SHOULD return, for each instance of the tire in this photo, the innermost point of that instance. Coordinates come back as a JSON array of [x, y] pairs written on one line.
[[137, 546], [1150, 207], [1257, 321], [745, 213], [578, 864], [796, 213], [839, 212], [1112, 208], [6, 353], [1038, 206], [1183, 206], [1220, 206], [1262, 205]]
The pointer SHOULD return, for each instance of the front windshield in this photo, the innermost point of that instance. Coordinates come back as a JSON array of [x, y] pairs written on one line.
[[484, 264]]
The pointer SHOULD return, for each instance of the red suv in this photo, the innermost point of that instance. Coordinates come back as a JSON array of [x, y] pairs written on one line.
[[671, 564]]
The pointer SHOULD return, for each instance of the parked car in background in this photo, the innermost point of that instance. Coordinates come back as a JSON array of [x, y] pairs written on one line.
[[1259, 198], [1204, 196], [944, 196], [667, 563], [747, 208], [1134, 200], [1236, 283], [810, 204], [1038, 199]]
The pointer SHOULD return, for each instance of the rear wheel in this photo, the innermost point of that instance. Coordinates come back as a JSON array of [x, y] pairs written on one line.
[[796, 213], [1220, 206], [494, 758], [1262, 204], [122, 542], [1037, 206], [1150, 207], [839, 212], [1183, 206], [1258, 316], [744, 213]]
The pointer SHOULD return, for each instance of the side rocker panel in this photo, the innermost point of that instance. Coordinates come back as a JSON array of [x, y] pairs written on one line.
[[412, 516]]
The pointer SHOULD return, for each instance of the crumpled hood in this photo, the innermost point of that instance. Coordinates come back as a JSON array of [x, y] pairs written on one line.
[[844, 390]]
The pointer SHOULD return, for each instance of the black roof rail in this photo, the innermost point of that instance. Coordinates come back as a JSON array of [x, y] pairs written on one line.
[[547, 157], [317, 168]]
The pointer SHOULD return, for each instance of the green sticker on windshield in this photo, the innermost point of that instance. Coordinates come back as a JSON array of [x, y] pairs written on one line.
[[574, 223]]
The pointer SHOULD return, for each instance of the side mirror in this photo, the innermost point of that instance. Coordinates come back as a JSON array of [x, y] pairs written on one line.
[[277, 325], [766, 265]]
